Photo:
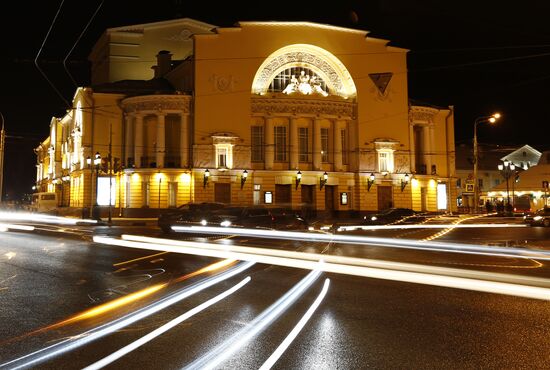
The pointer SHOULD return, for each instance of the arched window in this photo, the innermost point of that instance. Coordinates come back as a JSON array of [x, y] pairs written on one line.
[[299, 80]]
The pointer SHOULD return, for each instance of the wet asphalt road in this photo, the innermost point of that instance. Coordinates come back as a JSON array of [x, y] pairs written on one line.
[[361, 323]]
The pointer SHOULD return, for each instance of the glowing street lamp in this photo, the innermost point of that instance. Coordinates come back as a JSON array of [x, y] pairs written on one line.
[[491, 119]]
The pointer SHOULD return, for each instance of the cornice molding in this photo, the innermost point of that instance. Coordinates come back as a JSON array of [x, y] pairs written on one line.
[[314, 107], [159, 103]]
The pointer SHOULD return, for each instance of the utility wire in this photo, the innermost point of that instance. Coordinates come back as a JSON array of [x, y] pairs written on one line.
[[77, 41], [40, 50]]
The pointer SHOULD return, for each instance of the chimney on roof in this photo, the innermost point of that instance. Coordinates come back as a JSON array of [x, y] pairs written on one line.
[[164, 63]]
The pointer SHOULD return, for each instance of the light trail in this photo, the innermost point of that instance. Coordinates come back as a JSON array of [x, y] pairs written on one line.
[[164, 328], [353, 261], [6, 227], [375, 241], [34, 217], [294, 333], [424, 226], [222, 351], [111, 327], [413, 273], [130, 298], [138, 259]]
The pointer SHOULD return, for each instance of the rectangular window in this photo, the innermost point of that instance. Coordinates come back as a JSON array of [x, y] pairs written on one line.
[[480, 183], [303, 144], [222, 157], [344, 140], [280, 143], [256, 195], [268, 197], [324, 145], [383, 162], [257, 143]]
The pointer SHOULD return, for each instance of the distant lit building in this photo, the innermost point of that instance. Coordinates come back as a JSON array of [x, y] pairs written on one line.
[[279, 113], [489, 176]]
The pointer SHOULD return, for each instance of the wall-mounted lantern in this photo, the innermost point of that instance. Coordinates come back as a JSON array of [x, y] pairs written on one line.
[[404, 181], [323, 180], [244, 177], [370, 181], [298, 179], [206, 177]]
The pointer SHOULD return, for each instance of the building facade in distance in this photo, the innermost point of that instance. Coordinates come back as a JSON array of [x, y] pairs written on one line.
[[277, 113]]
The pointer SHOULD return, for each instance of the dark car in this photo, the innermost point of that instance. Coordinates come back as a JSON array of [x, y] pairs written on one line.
[[389, 216], [188, 214], [539, 218], [260, 217]]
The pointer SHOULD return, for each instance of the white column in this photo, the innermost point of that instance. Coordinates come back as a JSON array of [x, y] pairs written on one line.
[[128, 142], [269, 144], [293, 144], [138, 140], [337, 139], [184, 140], [317, 144], [161, 142]]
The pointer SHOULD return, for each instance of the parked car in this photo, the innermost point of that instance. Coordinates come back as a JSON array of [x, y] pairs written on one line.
[[188, 214], [389, 216], [539, 218], [260, 217]]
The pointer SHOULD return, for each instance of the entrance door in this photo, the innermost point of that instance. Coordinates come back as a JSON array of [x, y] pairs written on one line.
[[308, 201], [222, 193], [385, 200], [329, 199], [283, 195], [423, 199]]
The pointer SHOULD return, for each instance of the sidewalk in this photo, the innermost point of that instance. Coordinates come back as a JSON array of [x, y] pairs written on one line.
[[128, 221]]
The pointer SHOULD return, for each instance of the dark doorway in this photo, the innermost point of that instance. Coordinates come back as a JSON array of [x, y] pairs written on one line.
[[384, 197], [329, 199], [222, 193], [283, 195], [308, 201]]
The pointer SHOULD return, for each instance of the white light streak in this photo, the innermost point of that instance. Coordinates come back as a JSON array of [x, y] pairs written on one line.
[[426, 226], [237, 340], [35, 217], [6, 227], [413, 273], [376, 241], [294, 333], [111, 327], [164, 328]]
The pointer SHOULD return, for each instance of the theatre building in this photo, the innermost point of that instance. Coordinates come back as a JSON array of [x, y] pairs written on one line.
[[299, 114]]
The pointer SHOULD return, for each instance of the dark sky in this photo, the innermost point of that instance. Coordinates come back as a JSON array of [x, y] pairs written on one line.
[[479, 56]]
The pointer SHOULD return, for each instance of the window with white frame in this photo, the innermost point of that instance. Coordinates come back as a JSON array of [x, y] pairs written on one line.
[[224, 155], [385, 160], [280, 143]]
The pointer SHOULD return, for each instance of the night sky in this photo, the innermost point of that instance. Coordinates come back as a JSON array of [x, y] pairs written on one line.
[[479, 56]]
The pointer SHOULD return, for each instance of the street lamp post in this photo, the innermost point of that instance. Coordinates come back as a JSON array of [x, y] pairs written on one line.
[[478, 120], [507, 169]]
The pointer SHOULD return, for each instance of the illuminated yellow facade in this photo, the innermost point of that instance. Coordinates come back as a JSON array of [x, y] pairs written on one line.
[[293, 113]]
